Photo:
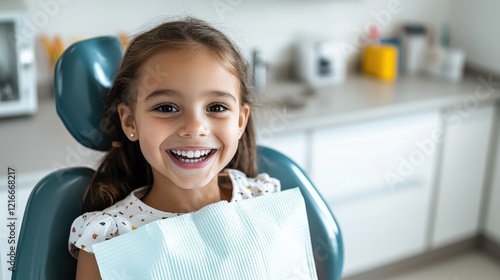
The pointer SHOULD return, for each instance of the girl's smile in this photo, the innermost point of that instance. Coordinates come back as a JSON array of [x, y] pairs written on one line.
[[191, 157]]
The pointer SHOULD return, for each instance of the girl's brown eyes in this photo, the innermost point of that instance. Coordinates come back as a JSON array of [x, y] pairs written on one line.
[[169, 108], [166, 108], [217, 108]]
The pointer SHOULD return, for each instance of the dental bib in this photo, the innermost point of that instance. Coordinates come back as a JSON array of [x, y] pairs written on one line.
[[265, 237]]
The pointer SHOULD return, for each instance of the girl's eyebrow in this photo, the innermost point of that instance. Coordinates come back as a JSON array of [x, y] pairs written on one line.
[[170, 92], [162, 92], [221, 93]]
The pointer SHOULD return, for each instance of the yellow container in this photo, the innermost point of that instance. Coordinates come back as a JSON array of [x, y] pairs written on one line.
[[380, 61]]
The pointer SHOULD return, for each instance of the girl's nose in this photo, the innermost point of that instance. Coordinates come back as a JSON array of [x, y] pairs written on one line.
[[193, 125]]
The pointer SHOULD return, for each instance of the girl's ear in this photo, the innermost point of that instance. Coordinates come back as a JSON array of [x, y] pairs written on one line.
[[127, 122], [243, 119]]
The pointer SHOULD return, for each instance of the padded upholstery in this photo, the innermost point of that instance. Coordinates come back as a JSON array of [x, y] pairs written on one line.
[[54, 203], [82, 77]]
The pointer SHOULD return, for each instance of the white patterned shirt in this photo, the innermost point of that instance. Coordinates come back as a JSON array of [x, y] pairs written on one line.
[[131, 213]]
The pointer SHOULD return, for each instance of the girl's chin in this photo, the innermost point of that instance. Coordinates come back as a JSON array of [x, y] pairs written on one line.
[[191, 179], [190, 184]]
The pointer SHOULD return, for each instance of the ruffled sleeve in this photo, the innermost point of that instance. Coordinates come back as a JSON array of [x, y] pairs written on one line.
[[244, 187], [267, 184], [89, 229]]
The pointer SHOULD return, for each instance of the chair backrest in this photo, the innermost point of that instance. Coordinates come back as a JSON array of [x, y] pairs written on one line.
[[325, 233], [42, 251], [82, 78]]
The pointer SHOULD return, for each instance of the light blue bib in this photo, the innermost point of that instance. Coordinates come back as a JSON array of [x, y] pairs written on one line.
[[266, 237]]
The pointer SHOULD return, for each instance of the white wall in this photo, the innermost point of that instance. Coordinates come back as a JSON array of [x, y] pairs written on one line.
[[474, 27], [269, 25]]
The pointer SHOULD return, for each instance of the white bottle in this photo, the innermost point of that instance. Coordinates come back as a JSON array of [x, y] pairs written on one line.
[[415, 44], [259, 71]]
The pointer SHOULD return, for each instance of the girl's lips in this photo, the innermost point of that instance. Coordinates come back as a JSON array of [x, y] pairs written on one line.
[[189, 158]]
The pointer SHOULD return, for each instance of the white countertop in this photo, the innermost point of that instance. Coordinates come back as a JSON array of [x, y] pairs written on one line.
[[41, 142], [363, 98]]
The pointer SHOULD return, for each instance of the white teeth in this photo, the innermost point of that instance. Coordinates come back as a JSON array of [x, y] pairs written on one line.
[[190, 160], [191, 154]]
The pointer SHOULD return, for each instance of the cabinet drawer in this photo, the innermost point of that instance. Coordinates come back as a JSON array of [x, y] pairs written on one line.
[[354, 161], [462, 176]]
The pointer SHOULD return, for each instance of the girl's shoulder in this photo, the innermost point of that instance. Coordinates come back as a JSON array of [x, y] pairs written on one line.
[[245, 187], [122, 217]]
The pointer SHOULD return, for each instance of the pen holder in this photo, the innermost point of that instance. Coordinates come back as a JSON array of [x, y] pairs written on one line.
[[380, 61]]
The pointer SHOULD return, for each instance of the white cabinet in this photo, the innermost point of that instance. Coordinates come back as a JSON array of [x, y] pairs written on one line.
[[492, 226], [293, 145], [461, 180], [377, 178]]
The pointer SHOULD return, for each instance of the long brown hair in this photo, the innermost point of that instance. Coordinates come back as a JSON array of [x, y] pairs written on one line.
[[124, 168]]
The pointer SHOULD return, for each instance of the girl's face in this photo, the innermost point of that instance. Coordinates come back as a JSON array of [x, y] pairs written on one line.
[[188, 117]]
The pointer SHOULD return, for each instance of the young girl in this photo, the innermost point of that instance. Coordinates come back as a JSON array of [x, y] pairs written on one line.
[[179, 118]]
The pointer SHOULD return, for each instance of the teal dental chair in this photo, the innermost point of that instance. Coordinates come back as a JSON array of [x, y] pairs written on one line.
[[83, 75]]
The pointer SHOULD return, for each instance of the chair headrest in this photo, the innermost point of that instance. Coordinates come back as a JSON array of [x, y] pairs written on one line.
[[83, 76]]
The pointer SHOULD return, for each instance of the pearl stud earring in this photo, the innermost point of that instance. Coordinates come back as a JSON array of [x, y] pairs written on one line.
[[132, 135]]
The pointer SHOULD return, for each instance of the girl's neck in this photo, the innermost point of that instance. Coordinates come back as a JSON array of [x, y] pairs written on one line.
[[170, 198]]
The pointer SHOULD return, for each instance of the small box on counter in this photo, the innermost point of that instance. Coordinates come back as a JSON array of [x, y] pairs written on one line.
[[380, 61]]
